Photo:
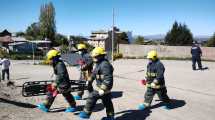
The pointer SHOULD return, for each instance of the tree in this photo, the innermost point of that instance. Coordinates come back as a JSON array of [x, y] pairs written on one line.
[[61, 40], [33, 32], [20, 34], [179, 35], [211, 41], [77, 39], [119, 38], [139, 40], [122, 38], [47, 22]]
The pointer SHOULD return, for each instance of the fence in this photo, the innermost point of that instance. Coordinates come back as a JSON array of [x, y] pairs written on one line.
[[140, 51]]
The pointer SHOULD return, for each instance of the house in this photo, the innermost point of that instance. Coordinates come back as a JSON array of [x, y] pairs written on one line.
[[19, 39], [98, 38], [42, 44], [22, 47], [103, 38]]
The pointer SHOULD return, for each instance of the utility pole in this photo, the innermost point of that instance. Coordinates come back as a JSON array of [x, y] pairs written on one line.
[[33, 55], [113, 36]]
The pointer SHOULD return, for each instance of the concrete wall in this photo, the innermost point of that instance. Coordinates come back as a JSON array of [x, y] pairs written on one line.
[[164, 51]]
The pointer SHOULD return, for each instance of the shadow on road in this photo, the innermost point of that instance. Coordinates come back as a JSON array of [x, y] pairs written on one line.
[[133, 115], [98, 107], [142, 115], [204, 68], [19, 104], [116, 94], [174, 104]]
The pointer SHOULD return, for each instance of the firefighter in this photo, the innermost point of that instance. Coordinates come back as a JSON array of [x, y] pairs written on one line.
[[155, 82], [196, 55], [86, 65], [61, 84], [103, 74]]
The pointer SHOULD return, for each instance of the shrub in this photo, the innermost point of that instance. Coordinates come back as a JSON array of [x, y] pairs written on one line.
[[3, 53], [117, 56], [20, 57]]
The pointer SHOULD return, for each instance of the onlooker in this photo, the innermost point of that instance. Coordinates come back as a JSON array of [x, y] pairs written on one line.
[[196, 55], [5, 63]]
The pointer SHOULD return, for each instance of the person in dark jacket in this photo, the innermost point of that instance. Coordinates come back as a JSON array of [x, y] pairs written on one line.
[[103, 73], [86, 65], [155, 82], [61, 84], [196, 53]]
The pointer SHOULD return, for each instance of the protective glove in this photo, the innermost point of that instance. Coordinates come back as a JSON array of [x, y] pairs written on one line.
[[83, 67], [101, 92], [155, 81], [155, 86], [87, 83]]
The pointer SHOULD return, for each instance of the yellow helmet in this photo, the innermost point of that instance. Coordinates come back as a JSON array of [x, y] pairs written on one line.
[[98, 51], [81, 46], [152, 55], [52, 53]]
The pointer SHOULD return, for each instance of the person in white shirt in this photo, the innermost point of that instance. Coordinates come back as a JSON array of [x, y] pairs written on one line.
[[5, 65]]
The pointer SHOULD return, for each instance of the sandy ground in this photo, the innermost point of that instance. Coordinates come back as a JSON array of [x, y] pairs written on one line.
[[193, 93]]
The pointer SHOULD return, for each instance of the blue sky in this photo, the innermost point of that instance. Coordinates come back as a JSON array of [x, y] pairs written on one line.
[[142, 17]]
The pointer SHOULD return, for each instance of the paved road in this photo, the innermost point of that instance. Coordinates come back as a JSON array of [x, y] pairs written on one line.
[[193, 93]]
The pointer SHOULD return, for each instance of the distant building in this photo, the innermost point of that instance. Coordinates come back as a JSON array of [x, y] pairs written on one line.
[[103, 38], [98, 38], [19, 39], [22, 47], [42, 44]]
